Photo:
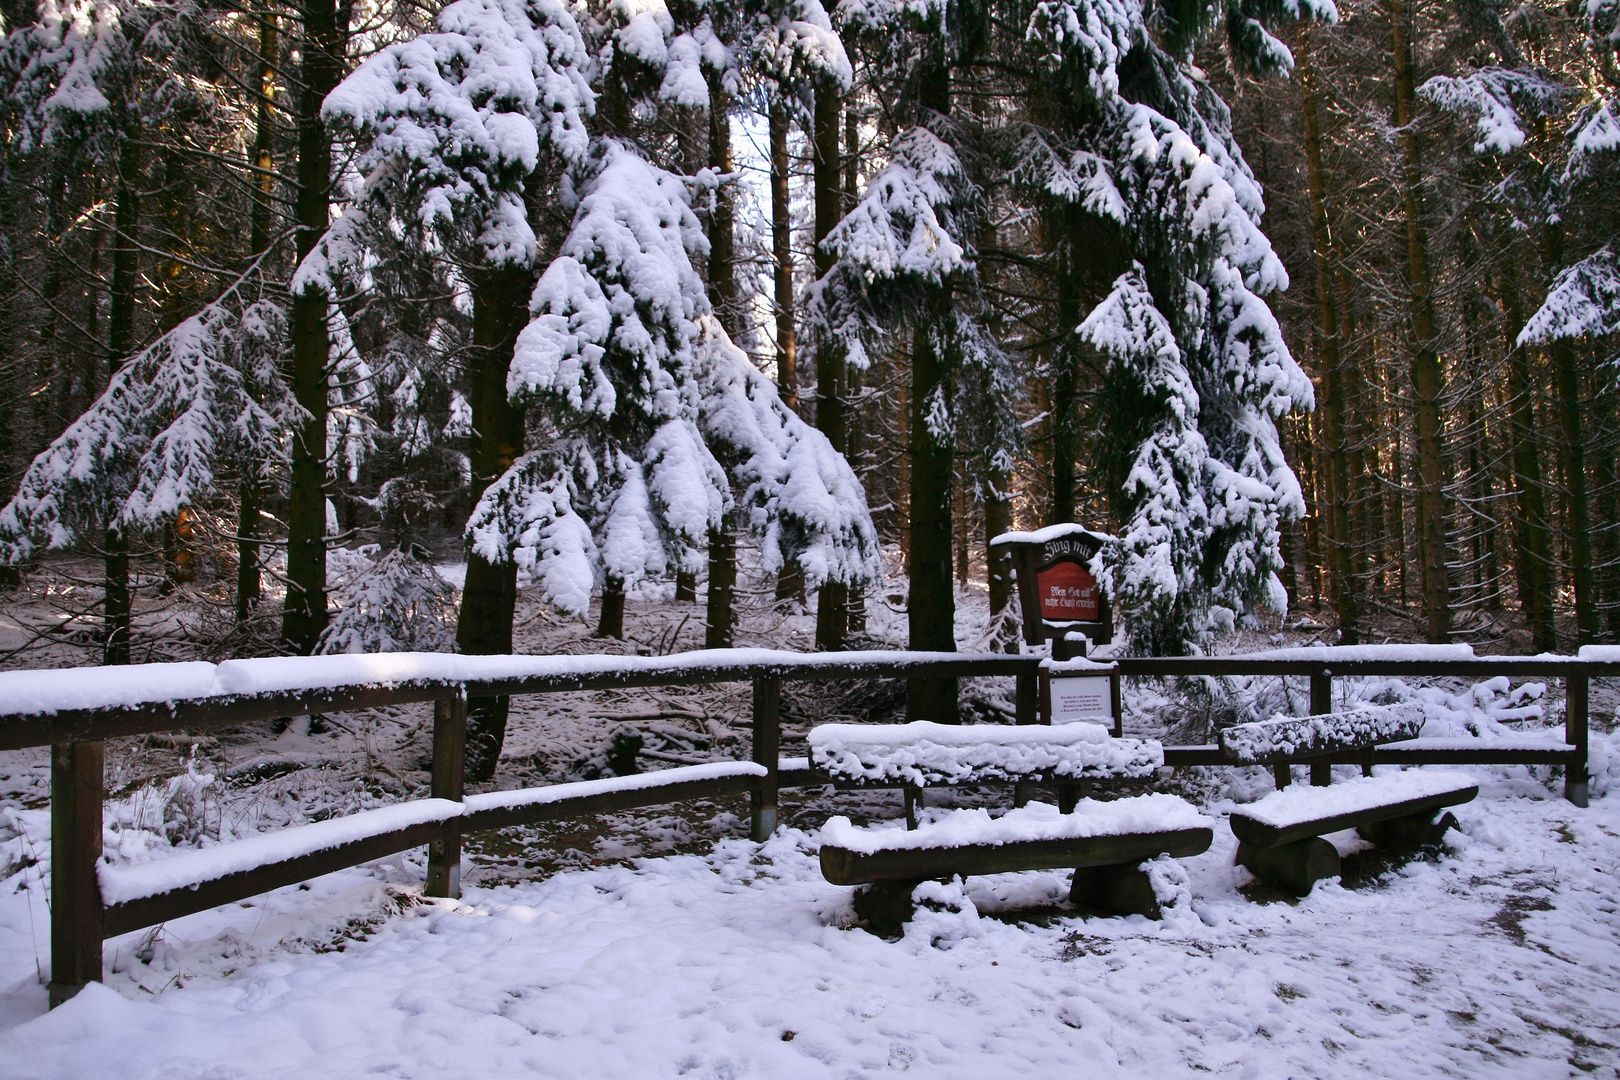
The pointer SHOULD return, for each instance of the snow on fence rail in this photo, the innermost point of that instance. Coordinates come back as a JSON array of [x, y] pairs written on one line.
[[74, 713]]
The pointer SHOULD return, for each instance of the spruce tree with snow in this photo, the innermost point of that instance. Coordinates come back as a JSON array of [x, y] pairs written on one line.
[[82, 85], [202, 402], [1135, 162], [463, 131], [390, 601], [638, 388], [1564, 187], [903, 261]]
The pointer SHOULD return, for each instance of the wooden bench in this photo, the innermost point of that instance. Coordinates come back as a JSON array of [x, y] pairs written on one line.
[[1280, 836], [1103, 842]]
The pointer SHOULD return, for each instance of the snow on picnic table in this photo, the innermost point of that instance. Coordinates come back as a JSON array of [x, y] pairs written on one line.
[[1501, 959]]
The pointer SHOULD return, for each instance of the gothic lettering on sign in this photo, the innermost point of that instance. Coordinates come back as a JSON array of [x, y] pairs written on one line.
[[1068, 593]]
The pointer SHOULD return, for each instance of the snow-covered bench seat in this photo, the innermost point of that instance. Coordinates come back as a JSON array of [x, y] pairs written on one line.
[[923, 754], [1102, 841], [1279, 837]]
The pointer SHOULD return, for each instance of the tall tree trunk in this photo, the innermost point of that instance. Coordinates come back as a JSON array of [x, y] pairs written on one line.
[[1066, 373], [997, 487], [832, 599], [721, 628], [250, 495], [1425, 369], [489, 595], [1577, 508], [854, 382], [787, 341], [931, 611], [1533, 532], [121, 343], [304, 615], [1342, 584], [1607, 483], [790, 580], [722, 596], [610, 623]]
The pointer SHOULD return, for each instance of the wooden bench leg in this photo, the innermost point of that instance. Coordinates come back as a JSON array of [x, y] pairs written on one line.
[[1125, 889], [1415, 831], [884, 907], [1068, 797], [1296, 867]]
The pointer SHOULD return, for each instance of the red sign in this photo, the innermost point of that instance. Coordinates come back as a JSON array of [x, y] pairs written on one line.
[[1068, 593]]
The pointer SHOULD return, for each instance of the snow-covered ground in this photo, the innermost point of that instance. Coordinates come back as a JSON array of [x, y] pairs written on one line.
[[1501, 957]]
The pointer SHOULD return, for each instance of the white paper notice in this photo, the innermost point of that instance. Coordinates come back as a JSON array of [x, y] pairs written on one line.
[[1086, 697]]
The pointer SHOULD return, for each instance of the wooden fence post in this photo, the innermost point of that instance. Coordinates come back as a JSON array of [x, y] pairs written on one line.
[[767, 752], [1576, 705], [1026, 710], [76, 794], [449, 759], [1321, 704], [1027, 699]]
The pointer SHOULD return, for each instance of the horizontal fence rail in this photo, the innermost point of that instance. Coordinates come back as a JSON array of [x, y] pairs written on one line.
[[74, 711]]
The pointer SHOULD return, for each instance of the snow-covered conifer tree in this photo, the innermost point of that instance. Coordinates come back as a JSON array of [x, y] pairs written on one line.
[[201, 402], [635, 380], [1151, 179], [462, 130], [84, 83], [904, 261]]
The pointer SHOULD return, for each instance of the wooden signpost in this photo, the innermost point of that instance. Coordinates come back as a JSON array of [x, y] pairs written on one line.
[[1061, 601], [1058, 596]]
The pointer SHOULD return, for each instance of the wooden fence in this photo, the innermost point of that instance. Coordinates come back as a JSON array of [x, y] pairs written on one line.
[[82, 914]]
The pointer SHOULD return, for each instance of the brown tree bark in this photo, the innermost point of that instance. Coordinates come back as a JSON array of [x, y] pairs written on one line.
[[931, 610], [489, 595], [1577, 506], [1426, 373], [1532, 532], [790, 580], [722, 619], [832, 599], [116, 600], [304, 615], [787, 342], [1342, 583], [722, 595], [250, 493]]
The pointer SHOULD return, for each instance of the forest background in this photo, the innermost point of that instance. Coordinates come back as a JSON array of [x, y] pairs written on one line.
[[1015, 263]]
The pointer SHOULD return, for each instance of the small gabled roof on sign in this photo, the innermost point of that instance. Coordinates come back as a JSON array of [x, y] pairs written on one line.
[[1051, 532]]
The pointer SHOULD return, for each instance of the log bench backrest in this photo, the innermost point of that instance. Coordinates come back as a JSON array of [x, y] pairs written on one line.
[[1284, 739], [922, 754]]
